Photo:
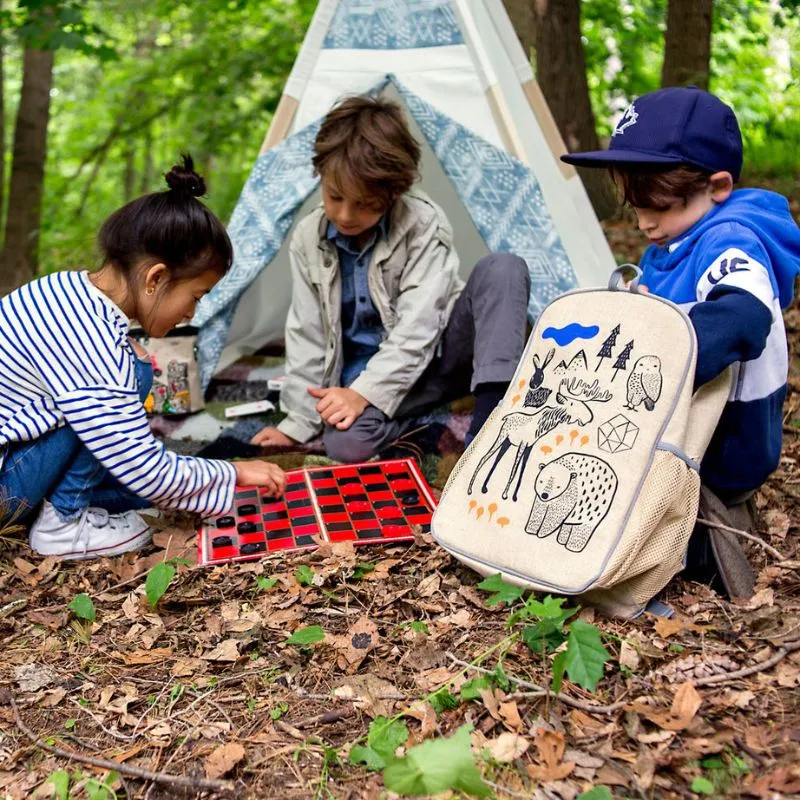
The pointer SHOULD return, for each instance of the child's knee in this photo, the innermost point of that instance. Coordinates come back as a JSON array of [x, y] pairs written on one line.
[[355, 444], [504, 268]]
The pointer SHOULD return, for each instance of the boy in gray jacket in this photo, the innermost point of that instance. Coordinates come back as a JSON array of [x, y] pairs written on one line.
[[380, 326]]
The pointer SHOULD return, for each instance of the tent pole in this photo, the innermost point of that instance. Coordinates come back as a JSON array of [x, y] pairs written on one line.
[[281, 122]]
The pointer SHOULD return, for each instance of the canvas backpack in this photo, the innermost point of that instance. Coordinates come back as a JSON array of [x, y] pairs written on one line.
[[584, 480]]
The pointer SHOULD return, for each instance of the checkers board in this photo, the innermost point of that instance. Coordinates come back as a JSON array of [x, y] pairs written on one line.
[[361, 503]]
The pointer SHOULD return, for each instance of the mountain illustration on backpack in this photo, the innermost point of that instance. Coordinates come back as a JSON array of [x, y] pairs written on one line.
[[577, 365]]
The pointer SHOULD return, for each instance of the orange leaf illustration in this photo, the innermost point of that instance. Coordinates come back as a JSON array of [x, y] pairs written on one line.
[[479, 512], [546, 450], [522, 384], [472, 504], [492, 507], [584, 440], [559, 439], [515, 399], [503, 521], [572, 435]]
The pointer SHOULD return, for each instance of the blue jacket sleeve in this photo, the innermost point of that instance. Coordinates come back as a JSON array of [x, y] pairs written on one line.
[[731, 325]]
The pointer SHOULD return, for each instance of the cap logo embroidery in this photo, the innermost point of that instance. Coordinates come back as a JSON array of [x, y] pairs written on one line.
[[628, 118]]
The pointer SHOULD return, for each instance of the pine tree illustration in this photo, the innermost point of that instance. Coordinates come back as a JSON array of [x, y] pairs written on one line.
[[605, 350], [622, 359]]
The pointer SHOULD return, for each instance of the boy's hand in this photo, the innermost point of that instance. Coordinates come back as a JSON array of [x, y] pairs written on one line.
[[339, 406], [272, 437], [261, 473]]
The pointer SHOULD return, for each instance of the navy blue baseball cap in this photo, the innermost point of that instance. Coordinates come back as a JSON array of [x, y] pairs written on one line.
[[677, 125]]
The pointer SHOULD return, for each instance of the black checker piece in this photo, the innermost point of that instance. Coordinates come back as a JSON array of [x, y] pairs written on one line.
[[247, 527], [226, 522], [221, 541], [247, 510], [253, 547]]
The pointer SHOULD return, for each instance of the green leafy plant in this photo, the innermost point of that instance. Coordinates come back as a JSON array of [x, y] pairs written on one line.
[[597, 793], [437, 766], [383, 739], [583, 658], [158, 580], [59, 780], [362, 569], [83, 607], [304, 575], [308, 635], [702, 785], [441, 700], [502, 592], [279, 710], [265, 584]]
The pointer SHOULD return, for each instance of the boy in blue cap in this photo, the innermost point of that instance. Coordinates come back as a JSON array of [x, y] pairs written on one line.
[[729, 259]]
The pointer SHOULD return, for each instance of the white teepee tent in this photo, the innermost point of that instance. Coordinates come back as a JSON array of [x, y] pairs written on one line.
[[490, 158]]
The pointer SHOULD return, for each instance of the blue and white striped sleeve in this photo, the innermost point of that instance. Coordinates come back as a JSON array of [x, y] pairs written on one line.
[[84, 363], [111, 422]]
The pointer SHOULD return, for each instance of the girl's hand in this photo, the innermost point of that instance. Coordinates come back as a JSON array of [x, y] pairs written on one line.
[[261, 473], [339, 406], [272, 437]]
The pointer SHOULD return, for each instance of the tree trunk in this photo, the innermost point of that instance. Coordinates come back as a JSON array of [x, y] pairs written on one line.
[[18, 260], [687, 44], [553, 29]]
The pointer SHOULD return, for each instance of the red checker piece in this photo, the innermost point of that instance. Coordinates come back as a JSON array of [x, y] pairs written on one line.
[[403, 485], [389, 513], [390, 531], [356, 506]]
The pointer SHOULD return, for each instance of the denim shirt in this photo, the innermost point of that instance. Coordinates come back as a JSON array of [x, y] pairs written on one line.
[[362, 331]]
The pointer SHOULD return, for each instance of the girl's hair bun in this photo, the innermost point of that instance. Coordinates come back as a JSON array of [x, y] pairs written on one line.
[[183, 180]]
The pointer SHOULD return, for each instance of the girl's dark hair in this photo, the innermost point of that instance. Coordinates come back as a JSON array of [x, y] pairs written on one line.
[[656, 187], [170, 227], [364, 144]]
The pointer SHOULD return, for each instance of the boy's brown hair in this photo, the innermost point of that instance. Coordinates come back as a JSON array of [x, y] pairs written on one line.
[[364, 146], [655, 188]]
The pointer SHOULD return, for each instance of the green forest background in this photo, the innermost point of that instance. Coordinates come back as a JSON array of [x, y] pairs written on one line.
[[135, 83]]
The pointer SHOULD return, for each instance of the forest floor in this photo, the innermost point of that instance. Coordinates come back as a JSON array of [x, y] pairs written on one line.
[[205, 686]]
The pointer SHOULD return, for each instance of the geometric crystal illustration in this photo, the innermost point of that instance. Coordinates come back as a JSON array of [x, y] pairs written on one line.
[[617, 435]]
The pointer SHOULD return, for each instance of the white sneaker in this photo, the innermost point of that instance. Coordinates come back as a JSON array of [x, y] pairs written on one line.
[[93, 534]]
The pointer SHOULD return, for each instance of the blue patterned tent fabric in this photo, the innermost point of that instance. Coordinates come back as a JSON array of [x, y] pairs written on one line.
[[500, 193], [392, 25]]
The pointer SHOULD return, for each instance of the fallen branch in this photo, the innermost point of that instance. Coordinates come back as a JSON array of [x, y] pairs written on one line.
[[745, 535], [788, 647], [592, 708], [327, 718], [103, 763]]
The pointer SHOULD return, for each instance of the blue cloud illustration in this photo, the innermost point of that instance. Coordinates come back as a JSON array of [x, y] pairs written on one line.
[[569, 333]]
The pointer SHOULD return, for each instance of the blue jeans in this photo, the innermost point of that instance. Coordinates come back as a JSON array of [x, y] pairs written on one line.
[[58, 467]]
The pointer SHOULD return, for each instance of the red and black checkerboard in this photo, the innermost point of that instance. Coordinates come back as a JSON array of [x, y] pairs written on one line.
[[378, 501]]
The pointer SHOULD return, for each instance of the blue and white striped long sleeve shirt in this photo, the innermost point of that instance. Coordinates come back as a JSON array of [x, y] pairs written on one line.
[[65, 358]]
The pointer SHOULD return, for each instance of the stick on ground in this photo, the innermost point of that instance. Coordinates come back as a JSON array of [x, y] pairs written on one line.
[[104, 763]]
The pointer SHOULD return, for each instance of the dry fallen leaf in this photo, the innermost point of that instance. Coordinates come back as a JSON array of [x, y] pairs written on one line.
[[685, 704], [507, 746], [669, 627], [155, 656], [224, 651], [360, 639], [224, 759], [550, 745], [32, 677], [629, 656]]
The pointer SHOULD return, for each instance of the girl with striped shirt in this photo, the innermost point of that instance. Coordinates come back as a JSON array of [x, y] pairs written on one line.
[[75, 444]]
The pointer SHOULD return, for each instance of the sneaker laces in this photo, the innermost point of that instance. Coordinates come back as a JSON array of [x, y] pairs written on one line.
[[96, 518]]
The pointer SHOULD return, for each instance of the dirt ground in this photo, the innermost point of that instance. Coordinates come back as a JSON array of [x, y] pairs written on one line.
[[205, 687]]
